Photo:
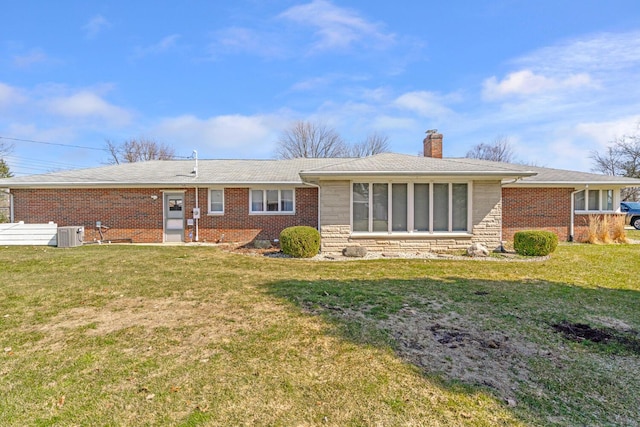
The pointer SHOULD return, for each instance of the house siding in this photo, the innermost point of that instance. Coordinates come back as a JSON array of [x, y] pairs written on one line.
[[335, 223], [238, 225], [538, 209], [132, 214]]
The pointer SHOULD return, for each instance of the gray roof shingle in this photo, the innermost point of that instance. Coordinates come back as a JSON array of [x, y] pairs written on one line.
[[295, 171]]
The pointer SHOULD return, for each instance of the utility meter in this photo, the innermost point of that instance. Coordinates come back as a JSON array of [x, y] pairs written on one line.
[[196, 213]]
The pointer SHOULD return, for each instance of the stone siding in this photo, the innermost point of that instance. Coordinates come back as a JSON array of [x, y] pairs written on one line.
[[487, 213], [336, 235]]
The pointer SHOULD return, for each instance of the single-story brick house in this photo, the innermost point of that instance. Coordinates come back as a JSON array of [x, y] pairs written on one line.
[[386, 202]]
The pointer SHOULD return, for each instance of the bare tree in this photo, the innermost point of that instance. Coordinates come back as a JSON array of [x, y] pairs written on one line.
[[310, 139], [499, 150], [622, 158], [375, 143], [138, 150]]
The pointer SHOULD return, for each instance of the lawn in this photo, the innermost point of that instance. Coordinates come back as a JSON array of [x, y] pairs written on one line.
[[192, 335]]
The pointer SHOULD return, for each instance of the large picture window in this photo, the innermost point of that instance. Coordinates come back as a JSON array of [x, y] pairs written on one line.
[[594, 200], [410, 207], [271, 201]]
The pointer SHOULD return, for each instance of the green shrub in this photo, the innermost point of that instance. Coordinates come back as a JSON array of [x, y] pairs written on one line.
[[535, 242], [300, 241]]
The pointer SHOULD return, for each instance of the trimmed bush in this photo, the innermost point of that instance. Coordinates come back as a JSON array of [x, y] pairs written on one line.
[[535, 242], [300, 241]]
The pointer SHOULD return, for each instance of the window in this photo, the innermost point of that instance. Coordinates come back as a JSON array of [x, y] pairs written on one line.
[[360, 207], [271, 201], [216, 201], [175, 204], [399, 207], [593, 200], [410, 207], [421, 207]]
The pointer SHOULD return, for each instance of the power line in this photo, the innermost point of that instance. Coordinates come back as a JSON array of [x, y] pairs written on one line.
[[53, 143]]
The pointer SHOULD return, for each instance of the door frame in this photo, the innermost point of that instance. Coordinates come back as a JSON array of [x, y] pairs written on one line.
[[167, 216]]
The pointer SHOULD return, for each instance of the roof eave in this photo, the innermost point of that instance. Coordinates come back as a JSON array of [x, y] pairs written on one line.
[[349, 174], [568, 184], [102, 184]]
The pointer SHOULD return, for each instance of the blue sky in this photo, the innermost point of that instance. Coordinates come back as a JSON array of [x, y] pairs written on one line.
[[559, 79]]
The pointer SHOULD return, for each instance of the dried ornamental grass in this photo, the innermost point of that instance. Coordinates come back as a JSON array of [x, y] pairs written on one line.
[[603, 232], [595, 224], [619, 234]]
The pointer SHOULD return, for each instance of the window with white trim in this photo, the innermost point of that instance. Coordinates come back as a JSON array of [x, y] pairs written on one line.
[[216, 201], [384, 207], [590, 200], [271, 201]]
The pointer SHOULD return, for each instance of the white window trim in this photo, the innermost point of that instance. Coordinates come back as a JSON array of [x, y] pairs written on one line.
[[601, 193], [209, 211], [411, 232], [264, 200]]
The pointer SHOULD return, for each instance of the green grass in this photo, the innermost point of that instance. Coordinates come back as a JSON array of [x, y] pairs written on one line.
[[191, 336]]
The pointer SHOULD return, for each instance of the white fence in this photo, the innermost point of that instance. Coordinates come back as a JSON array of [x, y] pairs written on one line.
[[29, 234]]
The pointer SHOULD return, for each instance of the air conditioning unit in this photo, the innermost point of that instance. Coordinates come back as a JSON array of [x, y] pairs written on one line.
[[69, 237]]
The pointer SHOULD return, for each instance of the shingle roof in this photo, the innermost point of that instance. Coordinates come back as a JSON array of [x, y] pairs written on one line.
[[295, 171], [177, 173], [551, 176], [403, 164]]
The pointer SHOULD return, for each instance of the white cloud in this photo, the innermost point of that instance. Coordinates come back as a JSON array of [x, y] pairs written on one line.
[[10, 96], [163, 45], [246, 40], [222, 136], [86, 104], [28, 59], [336, 27], [526, 82], [95, 26], [603, 133], [425, 104], [591, 53]]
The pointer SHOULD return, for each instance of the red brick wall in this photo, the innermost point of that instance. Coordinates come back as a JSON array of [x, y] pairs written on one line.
[[237, 225], [536, 209], [134, 214]]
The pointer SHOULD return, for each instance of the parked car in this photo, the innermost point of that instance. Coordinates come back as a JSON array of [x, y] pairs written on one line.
[[632, 209]]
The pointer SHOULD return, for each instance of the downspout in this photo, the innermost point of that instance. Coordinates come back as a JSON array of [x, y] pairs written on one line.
[[195, 154], [573, 213], [197, 219]]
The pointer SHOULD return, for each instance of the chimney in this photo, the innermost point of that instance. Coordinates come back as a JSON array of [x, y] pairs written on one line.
[[433, 144]]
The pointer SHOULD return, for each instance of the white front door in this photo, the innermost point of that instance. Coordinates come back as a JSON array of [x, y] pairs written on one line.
[[173, 217]]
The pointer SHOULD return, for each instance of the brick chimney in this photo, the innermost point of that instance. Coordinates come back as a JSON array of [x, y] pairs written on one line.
[[433, 144]]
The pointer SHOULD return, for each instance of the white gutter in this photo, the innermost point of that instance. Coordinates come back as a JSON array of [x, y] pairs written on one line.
[[573, 214], [195, 154], [197, 207]]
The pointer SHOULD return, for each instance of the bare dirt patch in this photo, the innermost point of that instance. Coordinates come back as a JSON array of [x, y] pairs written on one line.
[[627, 340], [450, 344]]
